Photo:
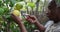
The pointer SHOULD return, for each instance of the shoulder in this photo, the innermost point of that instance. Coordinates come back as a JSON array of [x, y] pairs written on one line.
[[48, 25], [54, 28]]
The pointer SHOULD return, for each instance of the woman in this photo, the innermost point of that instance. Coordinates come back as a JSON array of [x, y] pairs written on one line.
[[53, 14]]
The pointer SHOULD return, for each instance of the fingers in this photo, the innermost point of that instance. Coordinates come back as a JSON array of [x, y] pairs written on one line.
[[12, 16], [15, 18], [31, 18]]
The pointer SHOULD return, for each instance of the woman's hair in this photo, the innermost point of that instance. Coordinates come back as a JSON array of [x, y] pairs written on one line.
[[52, 14]]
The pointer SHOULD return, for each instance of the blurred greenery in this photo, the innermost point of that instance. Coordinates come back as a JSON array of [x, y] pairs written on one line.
[[7, 6]]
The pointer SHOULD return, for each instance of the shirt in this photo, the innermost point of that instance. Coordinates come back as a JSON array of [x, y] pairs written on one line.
[[53, 27]]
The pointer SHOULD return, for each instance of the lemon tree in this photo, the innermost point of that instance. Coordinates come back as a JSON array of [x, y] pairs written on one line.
[[8, 7]]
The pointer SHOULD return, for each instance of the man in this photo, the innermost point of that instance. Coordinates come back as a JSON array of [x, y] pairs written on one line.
[[53, 14]]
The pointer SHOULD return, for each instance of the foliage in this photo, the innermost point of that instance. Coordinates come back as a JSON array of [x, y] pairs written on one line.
[[1, 11], [7, 7], [29, 4]]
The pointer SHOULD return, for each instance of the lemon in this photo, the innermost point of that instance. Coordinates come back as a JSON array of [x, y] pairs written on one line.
[[18, 6], [16, 13]]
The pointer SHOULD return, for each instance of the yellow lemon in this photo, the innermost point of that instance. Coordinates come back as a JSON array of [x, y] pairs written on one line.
[[16, 13]]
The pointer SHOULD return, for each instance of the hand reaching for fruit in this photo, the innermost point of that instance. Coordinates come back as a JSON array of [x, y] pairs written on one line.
[[31, 18]]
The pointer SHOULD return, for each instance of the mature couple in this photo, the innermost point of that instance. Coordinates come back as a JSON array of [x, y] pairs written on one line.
[[53, 15]]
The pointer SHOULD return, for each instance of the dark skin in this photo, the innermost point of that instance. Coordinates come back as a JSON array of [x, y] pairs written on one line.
[[30, 18], [53, 14], [18, 21]]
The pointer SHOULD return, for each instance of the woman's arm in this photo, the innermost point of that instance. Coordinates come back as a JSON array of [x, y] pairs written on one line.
[[18, 21]]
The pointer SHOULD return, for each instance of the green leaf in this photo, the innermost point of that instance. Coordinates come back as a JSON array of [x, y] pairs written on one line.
[[4, 24], [6, 9], [9, 17], [0, 2], [1, 11], [31, 4], [12, 2], [6, 1]]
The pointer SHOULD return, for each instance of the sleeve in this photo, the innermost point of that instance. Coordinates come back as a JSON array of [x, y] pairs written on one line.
[[48, 25]]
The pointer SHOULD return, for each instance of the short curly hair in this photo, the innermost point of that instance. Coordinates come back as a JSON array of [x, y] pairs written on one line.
[[52, 14]]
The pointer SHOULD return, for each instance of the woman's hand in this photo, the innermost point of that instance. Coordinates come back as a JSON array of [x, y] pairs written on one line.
[[31, 18]]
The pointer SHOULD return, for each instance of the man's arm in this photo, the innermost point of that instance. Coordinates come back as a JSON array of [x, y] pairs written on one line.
[[18, 21], [40, 26], [32, 19]]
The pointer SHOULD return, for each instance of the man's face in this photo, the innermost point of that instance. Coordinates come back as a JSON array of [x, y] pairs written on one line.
[[58, 12], [54, 11]]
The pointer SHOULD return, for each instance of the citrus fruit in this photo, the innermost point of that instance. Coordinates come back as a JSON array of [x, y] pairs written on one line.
[[16, 12], [18, 6]]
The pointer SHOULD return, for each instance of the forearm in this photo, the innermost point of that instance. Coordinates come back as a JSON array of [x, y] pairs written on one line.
[[22, 27], [18, 21], [40, 26]]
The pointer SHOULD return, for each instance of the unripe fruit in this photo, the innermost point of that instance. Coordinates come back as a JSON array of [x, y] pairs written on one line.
[[18, 6], [16, 13]]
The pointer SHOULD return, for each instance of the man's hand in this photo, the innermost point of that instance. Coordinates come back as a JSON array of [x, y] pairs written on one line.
[[31, 18], [16, 19]]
